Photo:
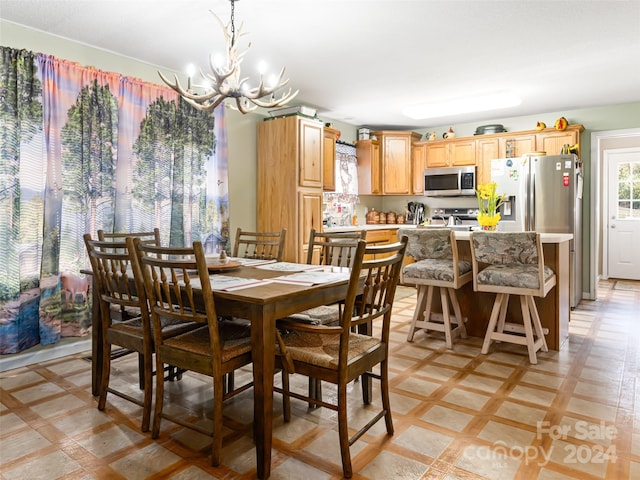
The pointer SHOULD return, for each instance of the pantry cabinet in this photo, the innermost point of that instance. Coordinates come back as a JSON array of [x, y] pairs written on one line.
[[331, 135], [369, 167], [290, 171]]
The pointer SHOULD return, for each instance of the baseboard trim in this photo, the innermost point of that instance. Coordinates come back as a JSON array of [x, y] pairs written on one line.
[[45, 353]]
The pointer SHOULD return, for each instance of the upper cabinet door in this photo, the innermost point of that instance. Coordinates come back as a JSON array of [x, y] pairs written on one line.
[[396, 164], [418, 158], [310, 150], [329, 159]]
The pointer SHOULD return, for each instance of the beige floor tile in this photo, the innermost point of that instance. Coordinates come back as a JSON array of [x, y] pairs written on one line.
[[145, 462], [447, 418], [438, 373], [592, 409], [424, 441], [193, 473], [11, 422], [19, 378], [521, 413], [418, 386], [495, 369], [293, 468], [327, 446], [542, 379], [108, 441], [481, 383], [81, 421], [482, 460], [533, 395], [390, 465], [458, 361], [581, 457], [37, 392], [54, 465], [65, 368], [506, 435], [21, 444], [58, 406], [464, 398]]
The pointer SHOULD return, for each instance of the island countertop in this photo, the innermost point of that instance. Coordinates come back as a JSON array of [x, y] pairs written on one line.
[[460, 234]]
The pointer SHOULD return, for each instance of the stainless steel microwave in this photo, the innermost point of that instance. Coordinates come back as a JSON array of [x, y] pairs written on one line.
[[450, 181]]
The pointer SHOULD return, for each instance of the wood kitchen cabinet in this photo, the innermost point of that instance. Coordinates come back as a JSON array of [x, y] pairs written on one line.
[[290, 170], [395, 151], [486, 150], [451, 153], [418, 164], [552, 141], [331, 135], [381, 237], [369, 167], [446, 153]]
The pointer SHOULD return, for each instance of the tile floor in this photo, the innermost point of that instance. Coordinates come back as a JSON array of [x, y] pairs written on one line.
[[457, 414]]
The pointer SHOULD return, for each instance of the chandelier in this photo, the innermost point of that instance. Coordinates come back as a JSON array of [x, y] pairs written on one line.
[[225, 81]]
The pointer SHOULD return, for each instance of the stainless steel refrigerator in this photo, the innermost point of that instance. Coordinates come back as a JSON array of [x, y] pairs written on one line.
[[544, 194]]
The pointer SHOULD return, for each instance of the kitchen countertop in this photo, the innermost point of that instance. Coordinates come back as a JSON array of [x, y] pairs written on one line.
[[461, 235]]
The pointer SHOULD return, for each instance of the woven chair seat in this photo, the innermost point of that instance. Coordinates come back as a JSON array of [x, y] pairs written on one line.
[[169, 327], [322, 315], [322, 350], [235, 340], [434, 269], [519, 275]]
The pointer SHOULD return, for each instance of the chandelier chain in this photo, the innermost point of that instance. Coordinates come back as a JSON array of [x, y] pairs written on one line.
[[233, 25]]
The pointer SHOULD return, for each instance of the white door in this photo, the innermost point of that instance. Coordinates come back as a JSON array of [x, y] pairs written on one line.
[[623, 252]]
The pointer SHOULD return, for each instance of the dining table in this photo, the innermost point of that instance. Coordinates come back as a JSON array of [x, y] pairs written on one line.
[[261, 292]]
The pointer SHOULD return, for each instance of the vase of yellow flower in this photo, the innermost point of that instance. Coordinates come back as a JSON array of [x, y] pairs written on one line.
[[488, 204]]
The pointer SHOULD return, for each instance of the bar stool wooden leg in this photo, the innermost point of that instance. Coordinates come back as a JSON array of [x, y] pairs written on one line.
[[419, 313], [458, 313], [528, 330], [493, 321], [537, 325], [446, 319]]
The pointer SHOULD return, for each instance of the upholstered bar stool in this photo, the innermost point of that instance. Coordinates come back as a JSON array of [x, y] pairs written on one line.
[[510, 263], [437, 266]]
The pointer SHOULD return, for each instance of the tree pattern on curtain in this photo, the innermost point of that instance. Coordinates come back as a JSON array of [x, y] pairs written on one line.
[[83, 150]]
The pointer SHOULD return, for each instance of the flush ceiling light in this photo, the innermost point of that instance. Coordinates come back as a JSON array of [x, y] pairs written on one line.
[[224, 81], [483, 103]]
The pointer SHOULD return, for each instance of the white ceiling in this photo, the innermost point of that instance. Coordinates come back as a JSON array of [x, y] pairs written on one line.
[[363, 61]]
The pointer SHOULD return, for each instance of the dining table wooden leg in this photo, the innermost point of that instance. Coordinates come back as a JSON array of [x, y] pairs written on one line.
[[263, 351], [96, 341]]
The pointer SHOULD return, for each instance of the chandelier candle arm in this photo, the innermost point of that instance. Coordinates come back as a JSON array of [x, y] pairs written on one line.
[[224, 80]]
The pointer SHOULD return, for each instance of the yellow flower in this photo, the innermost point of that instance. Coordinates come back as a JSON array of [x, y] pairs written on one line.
[[488, 203]]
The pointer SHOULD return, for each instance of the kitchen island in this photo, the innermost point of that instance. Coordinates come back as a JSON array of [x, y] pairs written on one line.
[[554, 309]]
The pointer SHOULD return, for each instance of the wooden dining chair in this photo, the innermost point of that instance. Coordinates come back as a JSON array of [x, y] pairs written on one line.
[[119, 289], [151, 237], [338, 355], [335, 249], [177, 285], [262, 245]]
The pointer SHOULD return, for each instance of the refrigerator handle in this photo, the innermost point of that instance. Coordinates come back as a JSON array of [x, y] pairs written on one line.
[[531, 198]]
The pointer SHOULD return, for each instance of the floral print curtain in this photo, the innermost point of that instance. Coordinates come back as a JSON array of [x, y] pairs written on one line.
[[83, 150]]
